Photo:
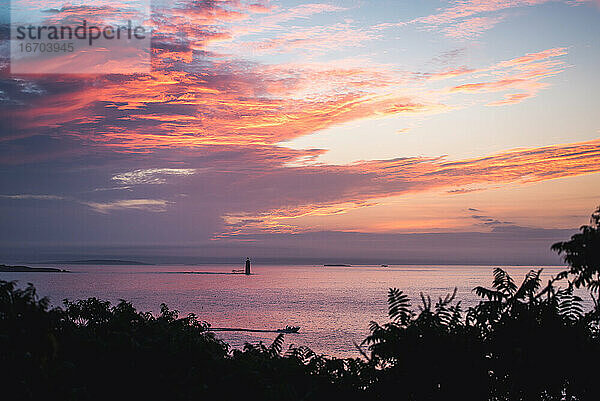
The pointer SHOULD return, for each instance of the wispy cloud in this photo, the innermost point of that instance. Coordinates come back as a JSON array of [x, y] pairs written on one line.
[[148, 205], [313, 40], [522, 76], [151, 176], [368, 183], [489, 221], [468, 19], [471, 27], [32, 196]]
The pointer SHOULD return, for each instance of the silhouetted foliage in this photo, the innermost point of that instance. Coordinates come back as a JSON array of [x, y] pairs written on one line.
[[92, 350], [520, 342], [582, 254]]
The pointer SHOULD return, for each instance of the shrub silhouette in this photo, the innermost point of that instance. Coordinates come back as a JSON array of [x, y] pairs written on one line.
[[92, 350], [520, 342], [582, 254]]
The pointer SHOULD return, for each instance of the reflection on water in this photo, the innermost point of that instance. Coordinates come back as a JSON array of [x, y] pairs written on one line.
[[332, 305]]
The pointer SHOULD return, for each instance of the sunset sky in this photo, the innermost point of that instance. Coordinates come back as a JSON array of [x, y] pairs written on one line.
[[401, 131]]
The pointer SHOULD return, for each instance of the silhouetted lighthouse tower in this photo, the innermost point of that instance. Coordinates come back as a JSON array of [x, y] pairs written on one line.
[[247, 266]]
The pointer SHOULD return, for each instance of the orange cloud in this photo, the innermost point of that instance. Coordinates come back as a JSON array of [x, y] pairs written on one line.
[[522, 74], [375, 180], [182, 109]]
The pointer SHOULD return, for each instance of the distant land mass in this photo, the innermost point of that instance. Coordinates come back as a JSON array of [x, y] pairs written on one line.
[[97, 262], [27, 269]]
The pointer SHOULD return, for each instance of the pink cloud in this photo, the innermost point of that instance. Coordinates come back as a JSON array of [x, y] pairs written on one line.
[[522, 74], [471, 27], [511, 98], [313, 39], [466, 19], [367, 183]]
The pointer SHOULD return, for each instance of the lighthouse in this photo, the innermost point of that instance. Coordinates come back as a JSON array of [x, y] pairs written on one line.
[[247, 266]]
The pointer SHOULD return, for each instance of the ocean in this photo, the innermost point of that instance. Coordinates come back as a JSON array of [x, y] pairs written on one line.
[[332, 305]]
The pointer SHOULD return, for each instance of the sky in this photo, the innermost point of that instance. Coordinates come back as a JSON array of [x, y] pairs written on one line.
[[457, 131]]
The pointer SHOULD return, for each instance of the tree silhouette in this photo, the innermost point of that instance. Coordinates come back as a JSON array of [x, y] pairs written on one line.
[[582, 254]]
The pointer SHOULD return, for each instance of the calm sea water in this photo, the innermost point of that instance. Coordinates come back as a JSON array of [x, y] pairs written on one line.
[[332, 305]]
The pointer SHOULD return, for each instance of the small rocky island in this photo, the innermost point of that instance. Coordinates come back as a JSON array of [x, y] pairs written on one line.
[[27, 269]]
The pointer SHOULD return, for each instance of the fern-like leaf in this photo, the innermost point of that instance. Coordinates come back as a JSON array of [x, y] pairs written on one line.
[[489, 294], [530, 284], [570, 307], [277, 345], [503, 282], [398, 306]]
